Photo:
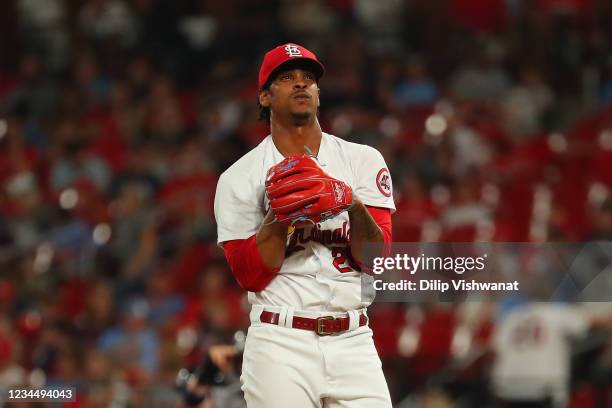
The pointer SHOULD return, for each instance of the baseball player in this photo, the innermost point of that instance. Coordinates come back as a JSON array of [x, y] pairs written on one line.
[[293, 216], [533, 350]]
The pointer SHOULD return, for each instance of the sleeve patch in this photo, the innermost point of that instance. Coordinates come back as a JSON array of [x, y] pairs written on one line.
[[383, 182]]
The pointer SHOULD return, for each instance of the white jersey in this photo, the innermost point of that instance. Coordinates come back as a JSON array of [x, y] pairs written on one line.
[[532, 347], [316, 274]]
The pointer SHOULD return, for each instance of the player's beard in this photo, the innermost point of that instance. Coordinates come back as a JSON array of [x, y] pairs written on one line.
[[301, 118]]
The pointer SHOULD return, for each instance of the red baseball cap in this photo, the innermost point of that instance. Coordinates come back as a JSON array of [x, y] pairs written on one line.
[[284, 54]]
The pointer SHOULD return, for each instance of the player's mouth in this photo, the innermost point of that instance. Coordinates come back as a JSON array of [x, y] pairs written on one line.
[[302, 96]]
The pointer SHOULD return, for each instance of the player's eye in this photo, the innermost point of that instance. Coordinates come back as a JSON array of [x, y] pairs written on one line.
[[286, 77], [309, 76]]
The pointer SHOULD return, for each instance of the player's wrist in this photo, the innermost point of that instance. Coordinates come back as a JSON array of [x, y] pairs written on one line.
[[357, 204]]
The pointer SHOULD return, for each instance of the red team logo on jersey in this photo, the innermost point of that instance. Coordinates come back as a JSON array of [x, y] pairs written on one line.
[[383, 182]]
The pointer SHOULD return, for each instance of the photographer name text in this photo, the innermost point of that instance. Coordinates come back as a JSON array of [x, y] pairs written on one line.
[[439, 285]]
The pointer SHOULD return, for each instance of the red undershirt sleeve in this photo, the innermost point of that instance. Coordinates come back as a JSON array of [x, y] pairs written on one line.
[[382, 217], [247, 265]]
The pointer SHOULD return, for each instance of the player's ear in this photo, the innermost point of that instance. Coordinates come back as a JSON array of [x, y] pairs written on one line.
[[319, 96], [264, 98]]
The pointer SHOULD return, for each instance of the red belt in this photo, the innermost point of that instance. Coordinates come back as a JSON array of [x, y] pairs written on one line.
[[323, 326]]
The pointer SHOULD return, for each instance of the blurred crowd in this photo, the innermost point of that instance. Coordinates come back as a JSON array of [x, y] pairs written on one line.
[[117, 117]]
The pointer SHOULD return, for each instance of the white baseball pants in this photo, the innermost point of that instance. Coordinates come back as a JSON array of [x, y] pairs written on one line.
[[285, 367]]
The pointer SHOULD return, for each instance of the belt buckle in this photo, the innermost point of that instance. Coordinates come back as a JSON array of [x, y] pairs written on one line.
[[319, 327]]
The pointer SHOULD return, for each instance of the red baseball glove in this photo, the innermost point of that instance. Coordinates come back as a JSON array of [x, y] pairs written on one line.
[[299, 191]]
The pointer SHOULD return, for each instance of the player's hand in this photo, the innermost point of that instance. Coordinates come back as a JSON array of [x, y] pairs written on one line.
[[300, 190], [222, 356]]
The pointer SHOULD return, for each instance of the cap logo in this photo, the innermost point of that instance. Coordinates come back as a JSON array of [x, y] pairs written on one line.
[[293, 51]]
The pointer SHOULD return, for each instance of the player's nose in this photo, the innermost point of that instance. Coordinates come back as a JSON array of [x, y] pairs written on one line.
[[299, 84], [300, 80]]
